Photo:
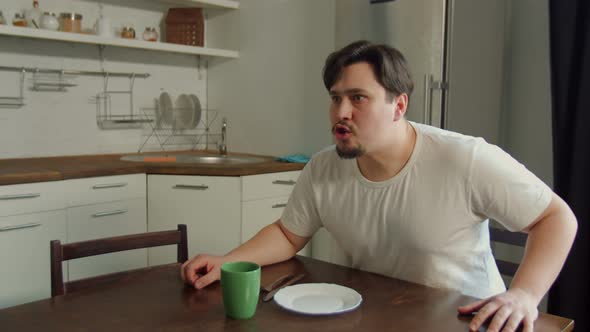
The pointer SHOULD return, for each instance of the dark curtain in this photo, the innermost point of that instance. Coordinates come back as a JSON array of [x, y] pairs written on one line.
[[570, 86]]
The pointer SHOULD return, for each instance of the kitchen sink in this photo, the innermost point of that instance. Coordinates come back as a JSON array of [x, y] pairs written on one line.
[[211, 159]]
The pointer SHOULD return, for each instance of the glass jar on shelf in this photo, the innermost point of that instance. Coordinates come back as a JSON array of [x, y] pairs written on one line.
[[19, 20], [70, 22], [150, 34], [128, 32], [2, 20]]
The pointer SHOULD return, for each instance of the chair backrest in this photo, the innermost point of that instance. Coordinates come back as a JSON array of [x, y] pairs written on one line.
[[63, 252], [499, 235]]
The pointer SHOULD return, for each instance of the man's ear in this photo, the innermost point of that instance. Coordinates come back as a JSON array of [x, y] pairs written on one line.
[[401, 106]]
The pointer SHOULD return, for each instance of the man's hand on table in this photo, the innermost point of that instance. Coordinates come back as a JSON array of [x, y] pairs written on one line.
[[202, 270], [508, 310]]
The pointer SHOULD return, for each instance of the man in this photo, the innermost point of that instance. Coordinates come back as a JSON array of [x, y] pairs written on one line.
[[412, 201]]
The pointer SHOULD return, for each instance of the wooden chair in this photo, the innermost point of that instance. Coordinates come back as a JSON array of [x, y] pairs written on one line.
[[60, 253], [499, 235]]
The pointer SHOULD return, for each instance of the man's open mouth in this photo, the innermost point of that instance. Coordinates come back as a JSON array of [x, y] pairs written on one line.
[[341, 129]]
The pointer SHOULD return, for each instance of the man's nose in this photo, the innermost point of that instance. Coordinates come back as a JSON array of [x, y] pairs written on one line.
[[343, 111]]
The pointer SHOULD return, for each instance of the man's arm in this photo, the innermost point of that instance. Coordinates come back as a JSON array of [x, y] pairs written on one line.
[[272, 244], [550, 238]]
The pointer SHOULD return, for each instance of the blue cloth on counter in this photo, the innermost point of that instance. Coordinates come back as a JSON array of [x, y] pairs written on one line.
[[294, 158]]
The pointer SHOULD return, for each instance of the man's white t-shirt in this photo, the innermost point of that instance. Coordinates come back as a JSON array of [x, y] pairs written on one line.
[[429, 223]]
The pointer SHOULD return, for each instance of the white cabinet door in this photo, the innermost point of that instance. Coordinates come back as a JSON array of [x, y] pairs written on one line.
[[208, 205], [106, 220], [260, 213], [24, 255]]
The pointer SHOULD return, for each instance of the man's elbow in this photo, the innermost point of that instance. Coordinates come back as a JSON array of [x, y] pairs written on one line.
[[297, 242]]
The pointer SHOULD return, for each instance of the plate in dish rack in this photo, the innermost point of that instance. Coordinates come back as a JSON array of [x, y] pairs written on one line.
[[197, 111], [183, 112], [318, 299], [165, 109]]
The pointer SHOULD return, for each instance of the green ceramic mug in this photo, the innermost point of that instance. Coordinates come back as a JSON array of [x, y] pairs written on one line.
[[240, 285]]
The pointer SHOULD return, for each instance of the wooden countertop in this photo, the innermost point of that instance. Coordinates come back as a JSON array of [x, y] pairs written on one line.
[[28, 170]]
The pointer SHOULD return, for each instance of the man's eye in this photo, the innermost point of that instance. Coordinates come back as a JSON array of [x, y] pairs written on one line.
[[336, 99], [358, 98]]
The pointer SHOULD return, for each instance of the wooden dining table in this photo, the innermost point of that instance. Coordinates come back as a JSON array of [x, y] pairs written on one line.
[[157, 300]]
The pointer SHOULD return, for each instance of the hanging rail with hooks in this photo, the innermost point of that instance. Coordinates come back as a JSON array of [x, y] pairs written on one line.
[[75, 72], [18, 101]]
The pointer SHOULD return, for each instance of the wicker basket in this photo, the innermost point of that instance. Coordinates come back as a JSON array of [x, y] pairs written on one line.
[[185, 26]]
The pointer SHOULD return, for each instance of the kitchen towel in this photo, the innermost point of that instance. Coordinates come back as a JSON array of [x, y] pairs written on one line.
[[294, 158]]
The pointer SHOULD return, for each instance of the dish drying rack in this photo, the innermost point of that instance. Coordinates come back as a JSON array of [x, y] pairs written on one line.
[[105, 117], [168, 137], [52, 81], [58, 80], [14, 101]]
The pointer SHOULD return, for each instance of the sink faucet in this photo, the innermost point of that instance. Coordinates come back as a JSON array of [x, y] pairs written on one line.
[[222, 145]]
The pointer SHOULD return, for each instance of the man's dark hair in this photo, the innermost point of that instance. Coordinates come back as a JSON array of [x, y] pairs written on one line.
[[389, 66]]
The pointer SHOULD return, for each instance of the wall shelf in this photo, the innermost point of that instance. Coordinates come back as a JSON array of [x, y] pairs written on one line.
[[6, 30], [228, 4]]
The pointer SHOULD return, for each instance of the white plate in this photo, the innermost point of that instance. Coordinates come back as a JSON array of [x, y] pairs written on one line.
[[183, 112], [197, 111], [166, 109], [318, 299]]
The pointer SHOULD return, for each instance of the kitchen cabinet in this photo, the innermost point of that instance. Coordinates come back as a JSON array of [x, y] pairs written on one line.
[[220, 213], [264, 198], [208, 205], [25, 261], [106, 220], [101, 207], [31, 215]]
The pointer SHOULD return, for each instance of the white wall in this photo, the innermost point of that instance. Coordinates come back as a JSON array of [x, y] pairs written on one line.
[[273, 94], [527, 113], [64, 123], [526, 118]]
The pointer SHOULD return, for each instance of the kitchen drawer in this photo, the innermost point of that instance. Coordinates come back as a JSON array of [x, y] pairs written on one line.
[[25, 260], [261, 213], [268, 185], [31, 197], [106, 220], [104, 189]]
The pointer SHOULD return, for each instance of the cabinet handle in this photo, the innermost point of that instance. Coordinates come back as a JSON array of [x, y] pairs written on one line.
[[19, 196], [286, 182], [15, 227], [190, 186], [109, 185], [281, 205], [109, 213]]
